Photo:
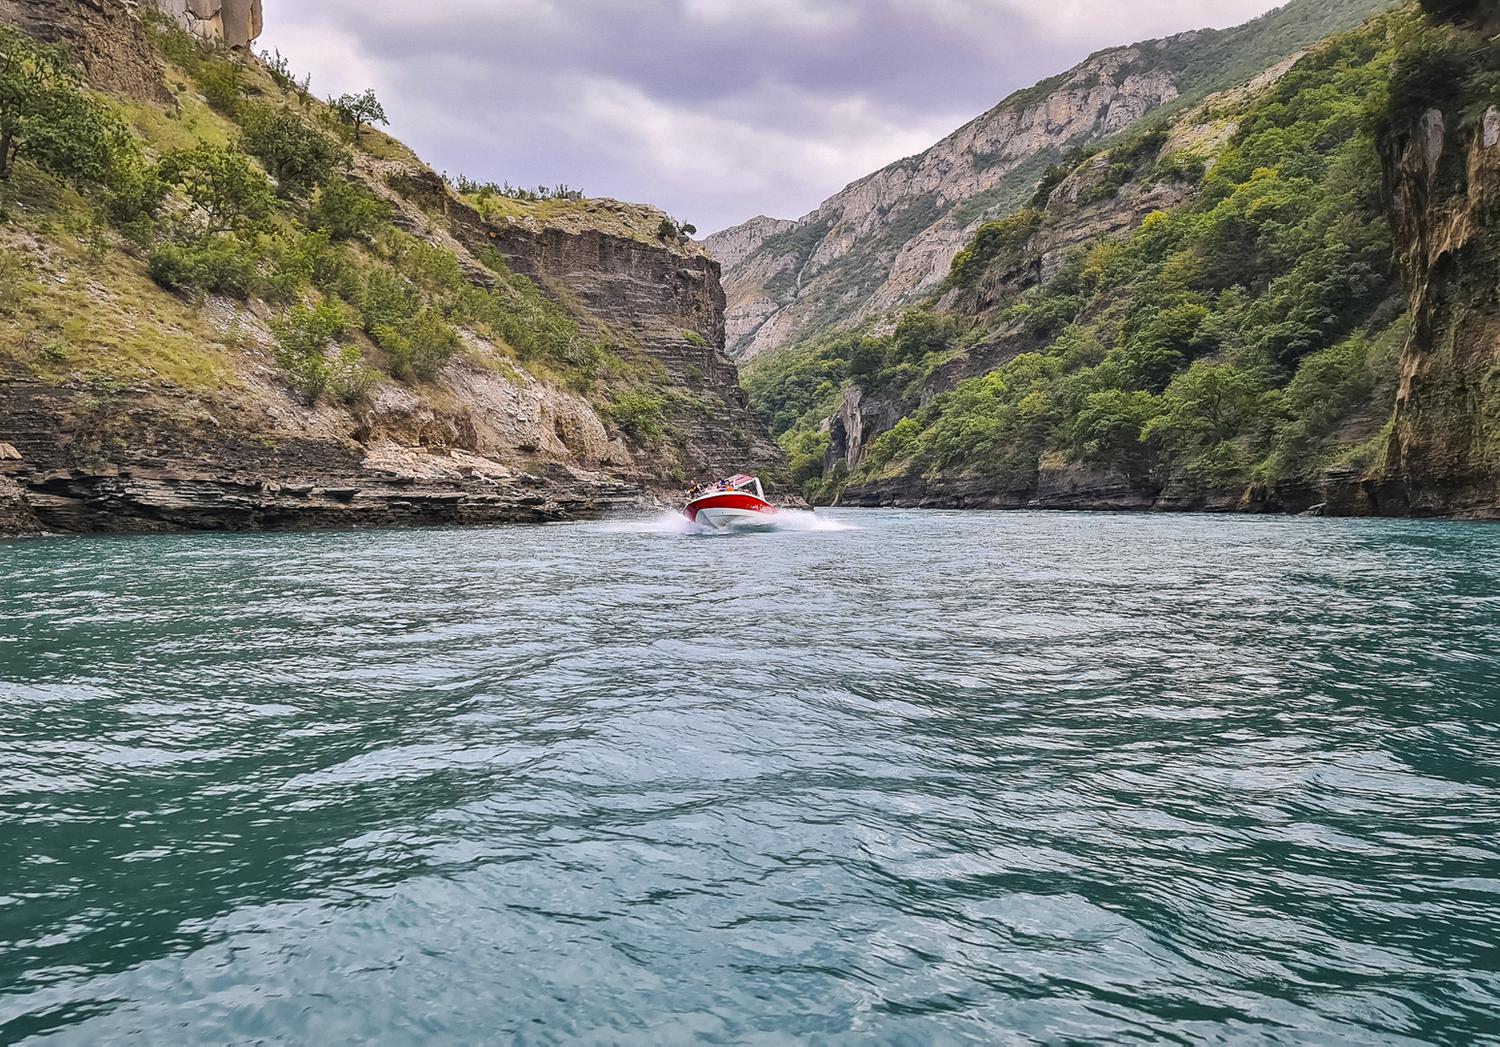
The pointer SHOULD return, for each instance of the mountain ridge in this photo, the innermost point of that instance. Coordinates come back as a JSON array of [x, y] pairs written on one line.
[[891, 235]]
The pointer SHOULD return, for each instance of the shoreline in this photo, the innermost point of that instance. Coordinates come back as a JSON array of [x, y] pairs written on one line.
[[354, 523]]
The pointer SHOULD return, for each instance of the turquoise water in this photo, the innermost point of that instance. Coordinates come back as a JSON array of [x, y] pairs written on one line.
[[939, 778]]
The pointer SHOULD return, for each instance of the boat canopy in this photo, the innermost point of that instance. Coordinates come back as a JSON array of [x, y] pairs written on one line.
[[743, 482]]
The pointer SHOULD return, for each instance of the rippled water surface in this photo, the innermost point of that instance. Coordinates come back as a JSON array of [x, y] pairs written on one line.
[[937, 778]]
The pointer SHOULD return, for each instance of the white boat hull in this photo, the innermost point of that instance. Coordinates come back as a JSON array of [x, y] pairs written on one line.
[[734, 519]]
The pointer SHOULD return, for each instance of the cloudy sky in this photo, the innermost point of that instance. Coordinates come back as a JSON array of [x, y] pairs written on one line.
[[716, 110]]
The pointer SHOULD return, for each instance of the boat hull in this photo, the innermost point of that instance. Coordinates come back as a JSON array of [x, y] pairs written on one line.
[[731, 511]]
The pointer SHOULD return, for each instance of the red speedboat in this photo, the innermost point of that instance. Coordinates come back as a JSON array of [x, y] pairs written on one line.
[[738, 502]]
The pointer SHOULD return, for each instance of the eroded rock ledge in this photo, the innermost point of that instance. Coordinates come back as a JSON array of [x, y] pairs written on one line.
[[65, 473]]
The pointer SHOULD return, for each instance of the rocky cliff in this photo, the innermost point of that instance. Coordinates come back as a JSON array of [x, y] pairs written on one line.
[[104, 36], [234, 23], [126, 407], [892, 236], [1442, 177]]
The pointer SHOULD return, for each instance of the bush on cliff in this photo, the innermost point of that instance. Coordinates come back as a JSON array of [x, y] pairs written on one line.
[[420, 347], [359, 111], [640, 415], [297, 155], [307, 349], [220, 263], [47, 117], [346, 211], [230, 193]]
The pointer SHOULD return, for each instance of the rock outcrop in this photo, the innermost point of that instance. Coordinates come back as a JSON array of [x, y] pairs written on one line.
[[1443, 189], [841, 263], [105, 37], [234, 23]]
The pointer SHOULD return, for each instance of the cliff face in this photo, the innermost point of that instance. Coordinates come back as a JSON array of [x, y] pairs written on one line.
[[127, 408], [891, 237], [103, 36], [1443, 179], [234, 23]]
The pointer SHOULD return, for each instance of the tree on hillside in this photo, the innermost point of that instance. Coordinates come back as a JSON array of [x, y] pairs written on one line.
[[360, 110], [233, 194], [668, 229], [299, 156], [46, 116]]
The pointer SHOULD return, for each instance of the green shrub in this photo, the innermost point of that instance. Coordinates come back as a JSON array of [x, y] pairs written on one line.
[[420, 347], [359, 111], [995, 242], [229, 191], [305, 340], [347, 211], [298, 155], [136, 191], [1108, 429], [807, 453], [222, 81], [640, 415], [47, 116], [899, 444], [221, 263], [386, 299]]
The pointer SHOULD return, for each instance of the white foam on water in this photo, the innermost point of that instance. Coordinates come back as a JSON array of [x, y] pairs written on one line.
[[801, 520], [672, 523]]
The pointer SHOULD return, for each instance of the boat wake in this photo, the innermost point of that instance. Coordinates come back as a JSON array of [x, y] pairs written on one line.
[[670, 523]]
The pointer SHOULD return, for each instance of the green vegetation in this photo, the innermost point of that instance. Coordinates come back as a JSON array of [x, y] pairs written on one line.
[[244, 192], [671, 230], [48, 118], [359, 111], [1246, 337], [642, 415], [299, 156]]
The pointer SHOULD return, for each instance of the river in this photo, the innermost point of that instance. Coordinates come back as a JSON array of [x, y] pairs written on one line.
[[906, 777]]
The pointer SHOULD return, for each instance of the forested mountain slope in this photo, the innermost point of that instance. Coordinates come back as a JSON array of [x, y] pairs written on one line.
[[891, 236], [1209, 314], [227, 304]]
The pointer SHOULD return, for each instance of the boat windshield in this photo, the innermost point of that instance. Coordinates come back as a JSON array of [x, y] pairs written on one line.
[[747, 484]]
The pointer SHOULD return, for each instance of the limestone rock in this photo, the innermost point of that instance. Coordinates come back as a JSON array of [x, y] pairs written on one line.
[[105, 38], [234, 23]]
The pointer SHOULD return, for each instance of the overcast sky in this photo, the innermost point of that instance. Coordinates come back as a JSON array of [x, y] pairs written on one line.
[[715, 110]]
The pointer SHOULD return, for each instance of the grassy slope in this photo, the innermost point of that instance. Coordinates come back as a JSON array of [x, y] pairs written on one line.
[[78, 306]]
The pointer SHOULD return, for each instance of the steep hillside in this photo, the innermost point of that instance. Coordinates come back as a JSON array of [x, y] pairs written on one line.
[[1207, 315], [890, 237], [1440, 142], [224, 306]]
